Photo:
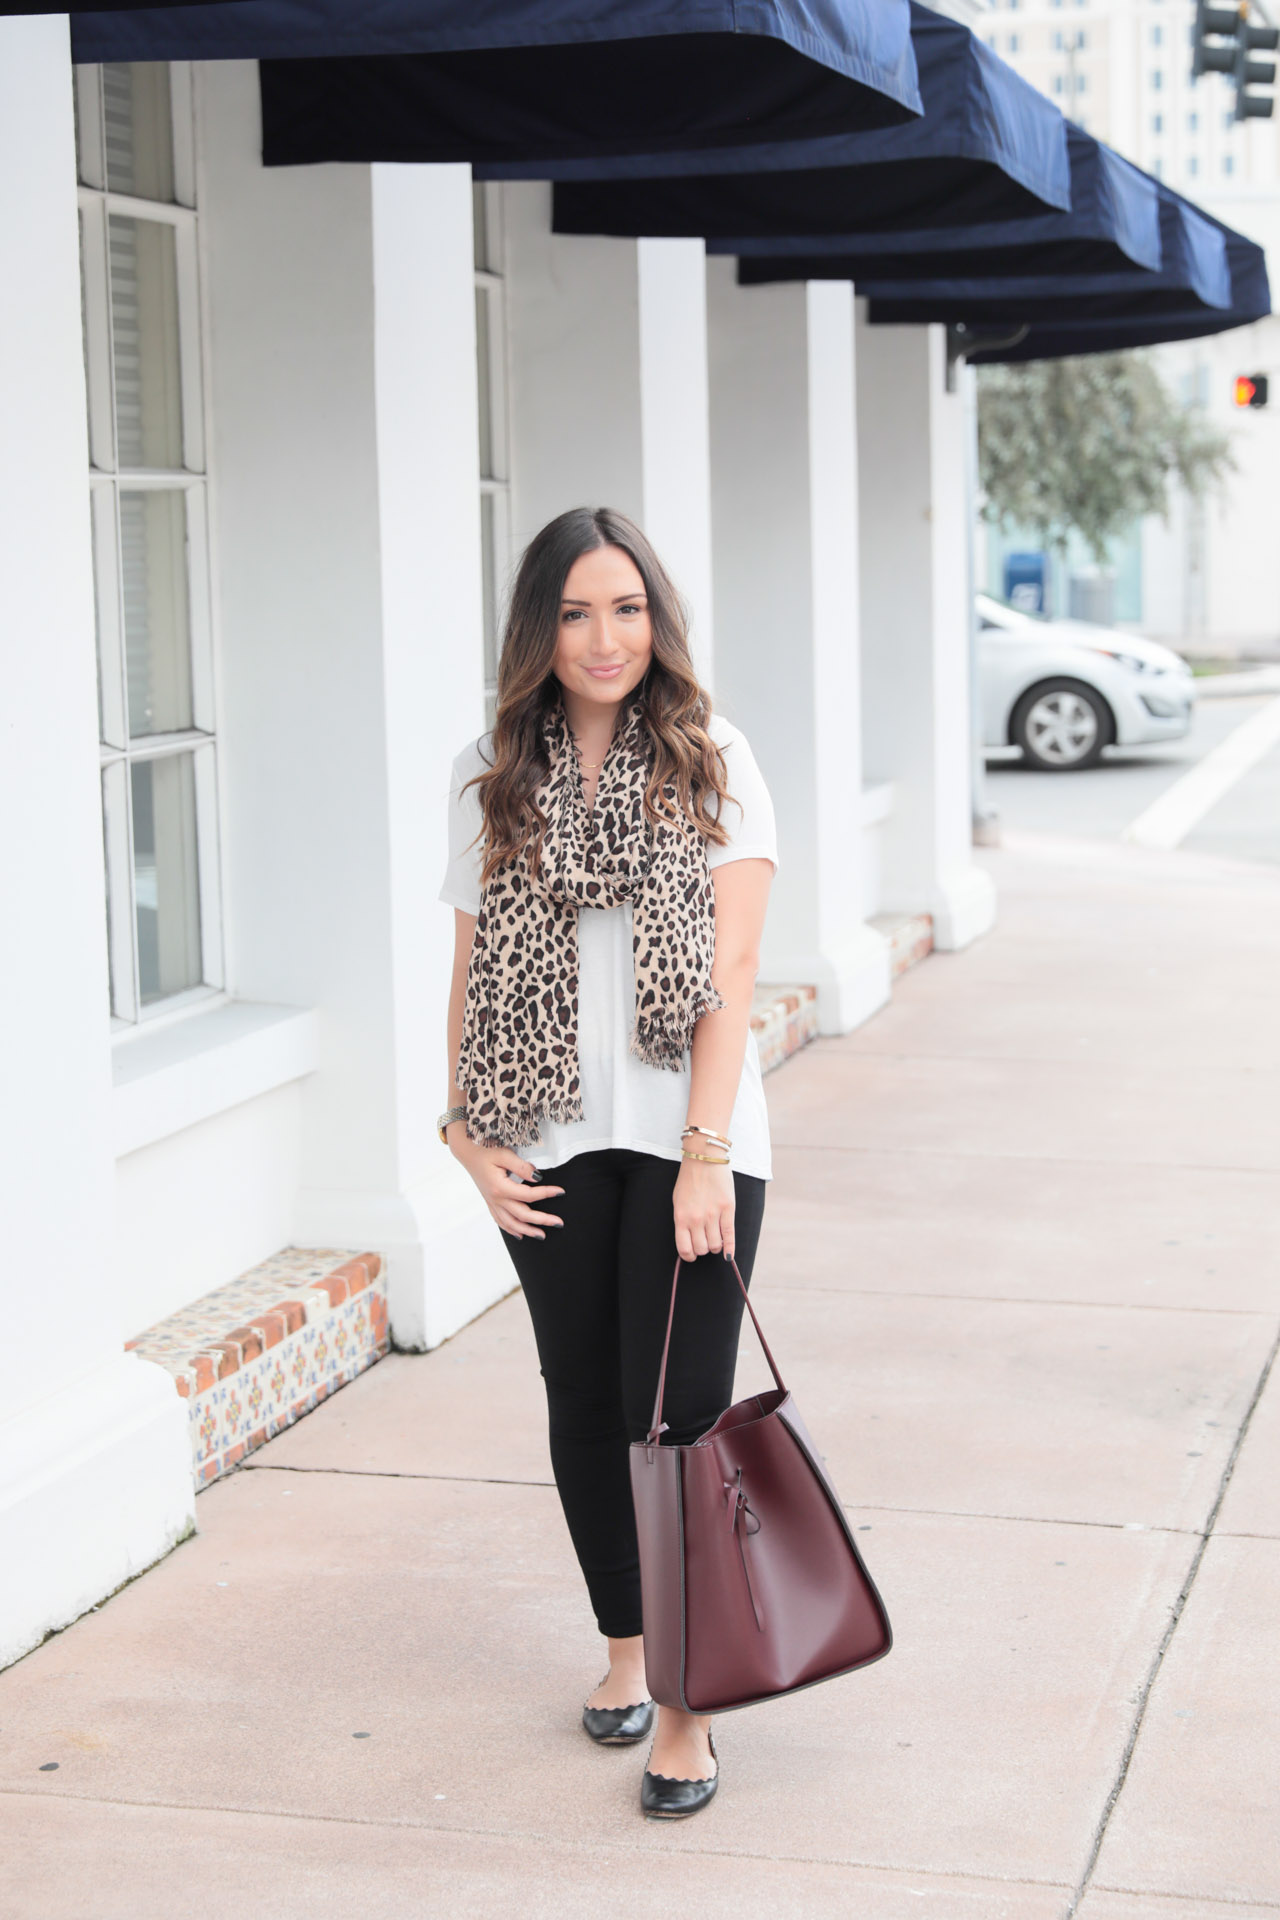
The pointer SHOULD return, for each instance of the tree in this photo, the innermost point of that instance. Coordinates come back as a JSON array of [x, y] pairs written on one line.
[[1089, 445]]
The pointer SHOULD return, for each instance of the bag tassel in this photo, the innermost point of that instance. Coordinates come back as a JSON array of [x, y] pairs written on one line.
[[740, 1514]]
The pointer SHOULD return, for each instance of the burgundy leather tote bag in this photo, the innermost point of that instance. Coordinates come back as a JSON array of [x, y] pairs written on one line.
[[752, 1584]]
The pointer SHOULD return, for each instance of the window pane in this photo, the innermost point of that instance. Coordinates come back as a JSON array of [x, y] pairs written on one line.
[[166, 875], [484, 381], [489, 586], [144, 343], [106, 610], [84, 340], [139, 128], [114, 842], [157, 630], [87, 100]]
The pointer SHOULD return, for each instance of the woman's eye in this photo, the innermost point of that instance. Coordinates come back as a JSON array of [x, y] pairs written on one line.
[[631, 607]]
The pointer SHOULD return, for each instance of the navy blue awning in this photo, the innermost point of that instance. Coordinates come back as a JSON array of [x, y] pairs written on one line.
[[1250, 301], [1193, 273], [104, 6], [429, 80], [1113, 225], [989, 147]]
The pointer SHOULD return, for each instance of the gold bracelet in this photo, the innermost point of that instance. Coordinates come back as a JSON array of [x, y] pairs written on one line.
[[719, 1139], [710, 1159]]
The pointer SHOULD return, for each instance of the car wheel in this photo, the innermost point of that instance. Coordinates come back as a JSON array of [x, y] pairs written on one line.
[[1062, 725]]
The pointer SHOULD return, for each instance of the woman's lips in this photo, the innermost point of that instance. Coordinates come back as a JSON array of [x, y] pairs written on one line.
[[606, 673]]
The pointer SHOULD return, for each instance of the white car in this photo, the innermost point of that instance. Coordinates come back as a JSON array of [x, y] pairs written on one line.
[[1062, 690]]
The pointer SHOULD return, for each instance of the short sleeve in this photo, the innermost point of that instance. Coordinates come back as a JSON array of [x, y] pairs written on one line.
[[466, 820], [747, 815]]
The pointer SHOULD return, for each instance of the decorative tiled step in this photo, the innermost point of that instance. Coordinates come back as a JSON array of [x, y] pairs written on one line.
[[910, 937], [254, 1356], [783, 1019]]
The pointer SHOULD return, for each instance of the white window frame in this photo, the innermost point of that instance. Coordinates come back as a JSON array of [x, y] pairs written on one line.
[[492, 386], [106, 482]]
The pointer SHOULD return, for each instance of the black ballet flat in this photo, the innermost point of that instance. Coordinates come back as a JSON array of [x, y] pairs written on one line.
[[619, 1726], [663, 1799]]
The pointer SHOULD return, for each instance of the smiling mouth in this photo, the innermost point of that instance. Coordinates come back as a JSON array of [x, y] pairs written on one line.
[[606, 673]]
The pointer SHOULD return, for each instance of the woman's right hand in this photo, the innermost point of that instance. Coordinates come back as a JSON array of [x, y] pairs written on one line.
[[495, 1171]]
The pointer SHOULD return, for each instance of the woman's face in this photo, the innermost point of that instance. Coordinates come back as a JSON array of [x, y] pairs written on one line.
[[605, 641]]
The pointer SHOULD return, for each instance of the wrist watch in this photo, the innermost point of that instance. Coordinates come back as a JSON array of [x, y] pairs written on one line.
[[442, 1124]]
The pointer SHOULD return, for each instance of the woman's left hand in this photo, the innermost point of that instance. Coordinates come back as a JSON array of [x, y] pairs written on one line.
[[704, 1208]]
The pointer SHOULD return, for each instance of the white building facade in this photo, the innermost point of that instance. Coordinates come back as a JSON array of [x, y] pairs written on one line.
[[274, 440]]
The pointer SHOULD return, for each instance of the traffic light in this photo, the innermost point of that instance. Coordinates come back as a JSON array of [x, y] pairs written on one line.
[[1213, 38], [1251, 390], [1254, 73], [1222, 41]]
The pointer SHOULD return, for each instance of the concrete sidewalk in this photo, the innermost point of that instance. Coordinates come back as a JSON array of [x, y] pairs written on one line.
[[1021, 1268]]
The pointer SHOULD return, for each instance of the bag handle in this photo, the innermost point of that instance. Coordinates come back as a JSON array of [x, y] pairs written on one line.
[[659, 1426]]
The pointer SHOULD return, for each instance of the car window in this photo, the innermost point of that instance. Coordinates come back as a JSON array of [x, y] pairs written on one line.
[[1007, 617]]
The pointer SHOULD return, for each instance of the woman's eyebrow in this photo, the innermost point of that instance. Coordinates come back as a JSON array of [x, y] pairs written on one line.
[[619, 600]]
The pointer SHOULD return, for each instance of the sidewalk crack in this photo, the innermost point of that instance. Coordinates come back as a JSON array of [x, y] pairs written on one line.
[[389, 1473], [781, 1287], [1166, 1639]]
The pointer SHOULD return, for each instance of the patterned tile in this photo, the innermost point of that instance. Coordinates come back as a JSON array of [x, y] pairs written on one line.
[[783, 1019], [254, 1356]]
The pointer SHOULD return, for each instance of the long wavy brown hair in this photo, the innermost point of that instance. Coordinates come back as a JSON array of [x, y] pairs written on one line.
[[687, 774]]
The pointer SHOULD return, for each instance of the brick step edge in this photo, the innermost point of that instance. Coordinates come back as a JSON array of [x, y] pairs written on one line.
[[783, 1019], [268, 1367], [910, 938]]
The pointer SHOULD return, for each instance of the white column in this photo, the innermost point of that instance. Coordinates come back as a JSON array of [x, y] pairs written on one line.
[[346, 467], [675, 427], [915, 646], [95, 1472], [785, 521], [608, 366], [449, 1264]]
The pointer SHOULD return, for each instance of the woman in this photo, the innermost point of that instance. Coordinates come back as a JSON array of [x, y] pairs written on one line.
[[612, 846]]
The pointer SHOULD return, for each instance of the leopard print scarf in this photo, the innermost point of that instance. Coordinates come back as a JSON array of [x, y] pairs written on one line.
[[518, 1064]]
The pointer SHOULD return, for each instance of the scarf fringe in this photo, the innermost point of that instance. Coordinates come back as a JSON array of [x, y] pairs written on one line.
[[662, 1039], [519, 1127]]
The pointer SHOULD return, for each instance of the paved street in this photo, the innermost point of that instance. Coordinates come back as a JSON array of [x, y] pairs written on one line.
[[1021, 1266], [1102, 800]]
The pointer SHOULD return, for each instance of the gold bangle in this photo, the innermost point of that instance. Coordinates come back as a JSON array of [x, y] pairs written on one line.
[[719, 1139], [710, 1159]]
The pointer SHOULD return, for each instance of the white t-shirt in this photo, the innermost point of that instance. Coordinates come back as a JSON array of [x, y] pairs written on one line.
[[626, 1103]]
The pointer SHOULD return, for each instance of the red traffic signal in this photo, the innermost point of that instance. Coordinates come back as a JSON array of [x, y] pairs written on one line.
[[1251, 390]]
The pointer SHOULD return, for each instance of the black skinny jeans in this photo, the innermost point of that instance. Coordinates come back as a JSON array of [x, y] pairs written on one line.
[[598, 1290]]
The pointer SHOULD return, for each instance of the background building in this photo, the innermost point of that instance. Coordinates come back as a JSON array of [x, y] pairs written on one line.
[[1122, 69]]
